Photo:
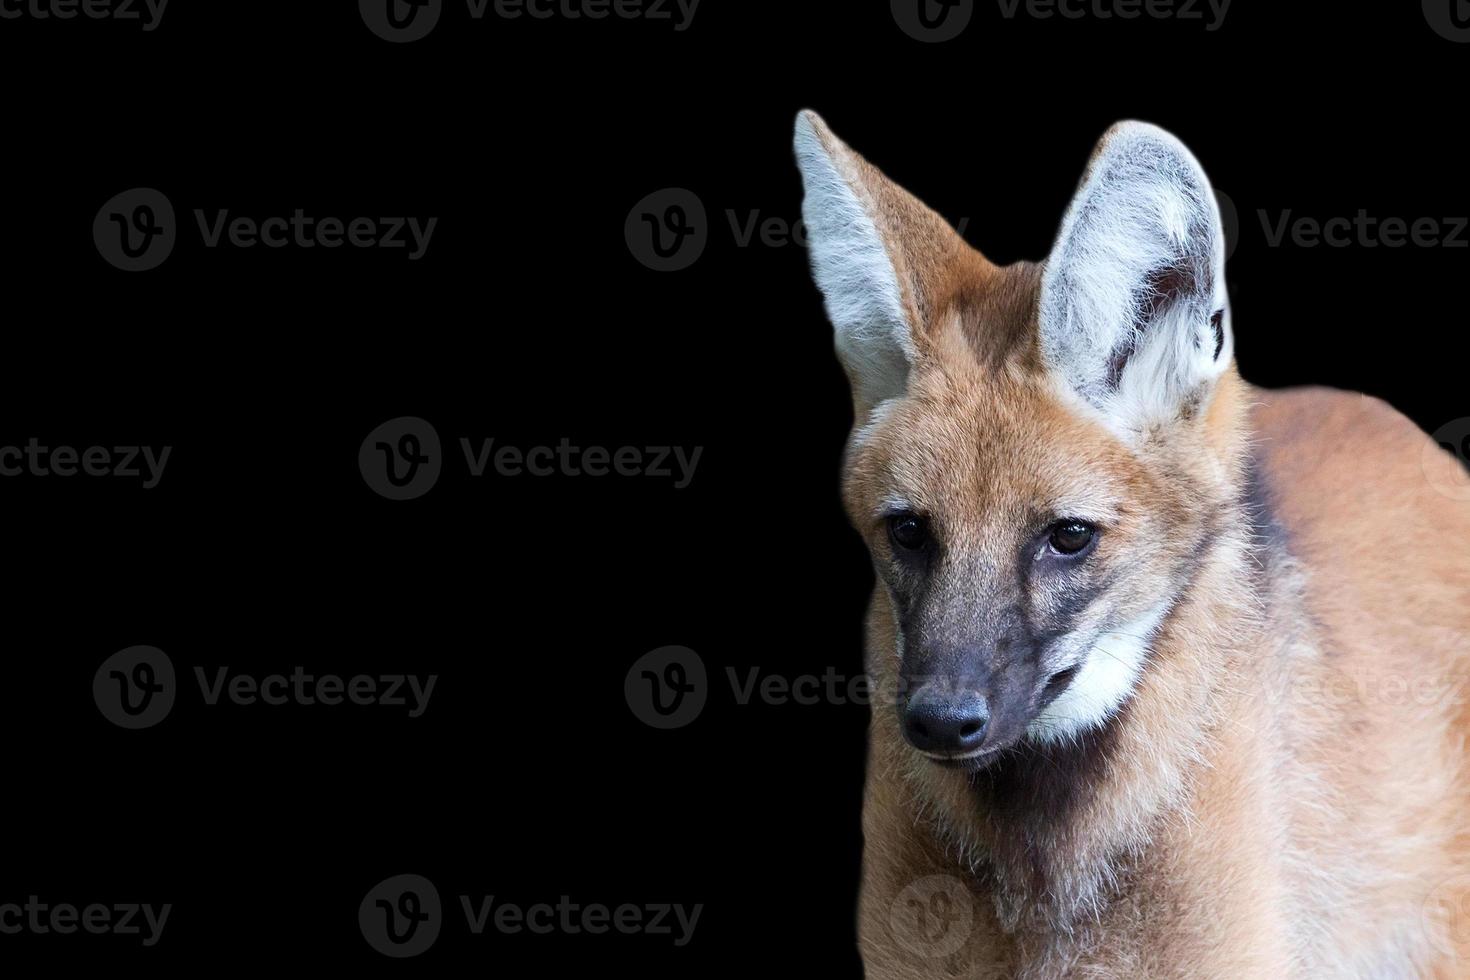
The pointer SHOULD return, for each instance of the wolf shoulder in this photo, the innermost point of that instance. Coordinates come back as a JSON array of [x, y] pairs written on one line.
[[1356, 461], [1376, 511]]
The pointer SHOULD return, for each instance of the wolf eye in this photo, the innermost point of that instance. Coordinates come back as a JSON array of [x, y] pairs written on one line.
[[1070, 537], [908, 531]]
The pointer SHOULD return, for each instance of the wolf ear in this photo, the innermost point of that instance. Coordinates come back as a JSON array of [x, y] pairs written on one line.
[[879, 257], [1133, 310]]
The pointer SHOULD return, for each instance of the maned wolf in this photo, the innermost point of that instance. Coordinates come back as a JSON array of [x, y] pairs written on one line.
[[1180, 665]]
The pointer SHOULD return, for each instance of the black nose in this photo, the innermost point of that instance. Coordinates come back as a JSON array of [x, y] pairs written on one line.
[[947, 722]]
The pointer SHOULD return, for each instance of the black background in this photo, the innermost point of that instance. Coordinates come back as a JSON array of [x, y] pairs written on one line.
[[529, 320]]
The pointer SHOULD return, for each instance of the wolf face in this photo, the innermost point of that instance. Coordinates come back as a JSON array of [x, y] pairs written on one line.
[[1039, 453]]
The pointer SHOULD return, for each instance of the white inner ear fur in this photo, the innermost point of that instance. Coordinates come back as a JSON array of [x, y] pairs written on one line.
[[855, 273], [1145, 214]]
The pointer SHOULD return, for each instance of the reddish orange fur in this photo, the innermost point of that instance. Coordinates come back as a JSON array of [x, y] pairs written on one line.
[[1269, 805]]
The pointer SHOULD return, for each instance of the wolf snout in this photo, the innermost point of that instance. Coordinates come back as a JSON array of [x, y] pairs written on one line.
[[945, 722]]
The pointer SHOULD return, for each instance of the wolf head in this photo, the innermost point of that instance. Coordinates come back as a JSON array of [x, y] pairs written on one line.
[[1040, 453]]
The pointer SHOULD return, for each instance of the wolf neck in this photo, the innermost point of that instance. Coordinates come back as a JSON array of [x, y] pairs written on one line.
[[1055, 829]]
